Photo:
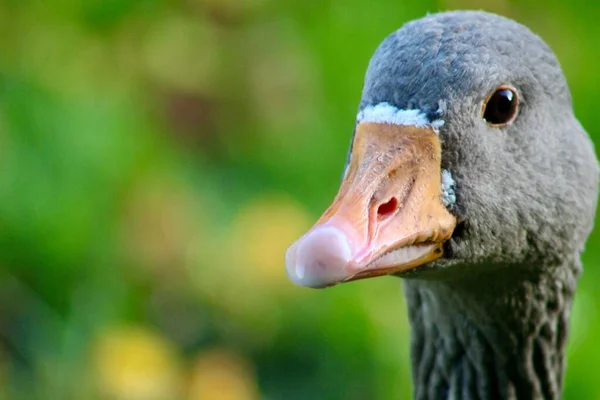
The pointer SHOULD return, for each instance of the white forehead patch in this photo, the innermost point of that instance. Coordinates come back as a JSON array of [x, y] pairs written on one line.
[[448, 194], [385, 113]]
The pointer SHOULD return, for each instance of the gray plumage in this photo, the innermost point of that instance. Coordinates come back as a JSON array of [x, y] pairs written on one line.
[[490, 319]]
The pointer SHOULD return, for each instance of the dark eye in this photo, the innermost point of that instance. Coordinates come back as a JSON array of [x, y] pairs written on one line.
[[501, 107]]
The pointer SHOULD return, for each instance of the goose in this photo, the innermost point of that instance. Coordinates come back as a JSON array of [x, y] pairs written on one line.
[[470, 177]]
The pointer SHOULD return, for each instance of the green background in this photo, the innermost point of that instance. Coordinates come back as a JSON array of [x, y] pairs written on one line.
[[157, 157]]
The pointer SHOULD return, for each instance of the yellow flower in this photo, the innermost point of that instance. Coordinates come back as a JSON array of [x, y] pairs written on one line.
[[221, 375], [262, 232], [133, 363]]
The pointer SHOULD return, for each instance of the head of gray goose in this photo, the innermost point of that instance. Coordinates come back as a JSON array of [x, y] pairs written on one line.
[[470, 177]]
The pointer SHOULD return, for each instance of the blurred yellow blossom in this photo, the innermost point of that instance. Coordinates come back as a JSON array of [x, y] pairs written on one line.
[[134, 363], [218, 374], [243, 273], [262, 231]]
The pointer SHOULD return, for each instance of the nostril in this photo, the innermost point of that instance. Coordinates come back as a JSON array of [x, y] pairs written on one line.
[[387, 208]]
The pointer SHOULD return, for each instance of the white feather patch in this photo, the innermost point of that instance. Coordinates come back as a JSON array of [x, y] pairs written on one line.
[[385, 113], [448, 194]]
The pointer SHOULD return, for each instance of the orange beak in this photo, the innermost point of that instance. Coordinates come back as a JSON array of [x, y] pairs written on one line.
[[388, 215]]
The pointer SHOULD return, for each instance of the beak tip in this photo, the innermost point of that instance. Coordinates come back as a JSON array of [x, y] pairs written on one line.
[[320, 258]]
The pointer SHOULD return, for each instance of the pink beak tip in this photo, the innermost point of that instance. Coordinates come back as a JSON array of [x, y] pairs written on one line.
[[320, 258]]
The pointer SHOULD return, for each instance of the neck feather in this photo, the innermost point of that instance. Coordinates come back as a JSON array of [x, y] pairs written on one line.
[[498, 335]]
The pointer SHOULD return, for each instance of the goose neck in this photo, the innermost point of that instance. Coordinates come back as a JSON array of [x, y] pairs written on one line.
[[490, 336]]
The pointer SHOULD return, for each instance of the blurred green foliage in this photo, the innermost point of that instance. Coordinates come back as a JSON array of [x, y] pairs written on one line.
[[156, 159]]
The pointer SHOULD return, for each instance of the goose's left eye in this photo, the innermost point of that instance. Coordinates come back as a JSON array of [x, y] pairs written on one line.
[[500, 108]]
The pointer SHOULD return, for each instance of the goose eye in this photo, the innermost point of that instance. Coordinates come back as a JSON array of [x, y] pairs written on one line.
[[501, 107]]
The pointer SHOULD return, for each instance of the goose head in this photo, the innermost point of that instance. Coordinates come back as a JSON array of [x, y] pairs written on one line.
[[466, 157]]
